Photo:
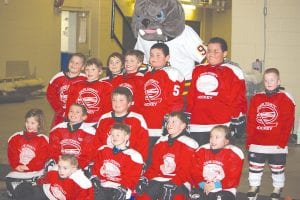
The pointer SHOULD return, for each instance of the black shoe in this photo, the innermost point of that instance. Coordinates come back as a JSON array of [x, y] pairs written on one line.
[[275, 195], [252, 194]]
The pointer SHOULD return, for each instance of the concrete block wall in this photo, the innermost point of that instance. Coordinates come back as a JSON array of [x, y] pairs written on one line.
[[282, 38]]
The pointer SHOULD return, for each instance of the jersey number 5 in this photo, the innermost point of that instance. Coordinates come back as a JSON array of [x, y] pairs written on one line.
[[176, 90]]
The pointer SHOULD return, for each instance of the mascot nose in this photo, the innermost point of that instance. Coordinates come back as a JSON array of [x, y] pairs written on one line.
[[146, 22]]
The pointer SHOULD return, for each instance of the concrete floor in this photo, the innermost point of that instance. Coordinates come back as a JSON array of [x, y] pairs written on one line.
[[12, 120]]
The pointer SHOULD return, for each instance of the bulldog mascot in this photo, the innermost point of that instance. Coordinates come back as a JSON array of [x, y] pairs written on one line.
[[163, 21]]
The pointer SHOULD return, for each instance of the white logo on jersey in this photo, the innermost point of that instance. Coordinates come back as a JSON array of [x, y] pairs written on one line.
[[213, 172], [169, 165], [63, 95], [266, 116], [90, 99], [27, 153], [111, 170], [58, 192], [70, 146], [207, 83], [152, 93]]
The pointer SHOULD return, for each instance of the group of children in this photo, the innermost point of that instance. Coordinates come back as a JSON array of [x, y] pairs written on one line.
[[101, 142]]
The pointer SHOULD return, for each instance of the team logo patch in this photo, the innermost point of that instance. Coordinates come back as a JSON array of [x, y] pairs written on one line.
[[63, 94], [27, 153], [111, 170], [58, 192], [213, 172], [169, 165], [152, 93], [90, 99], [70, 146], [266, 116], [207, 83]]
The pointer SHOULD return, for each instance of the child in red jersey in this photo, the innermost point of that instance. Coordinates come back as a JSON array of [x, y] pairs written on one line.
[[269, 125], [217, 94], [27, 151], [93, 93], [117, 168], [217, 167], [168, 174], [74, 137], [121, 113], [132, 79], [63, 182], [163, 87], [115, 66], [58, 88]]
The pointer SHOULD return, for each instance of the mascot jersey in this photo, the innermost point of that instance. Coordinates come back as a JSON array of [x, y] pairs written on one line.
[[225, 166], [163, 21], [185, 50]]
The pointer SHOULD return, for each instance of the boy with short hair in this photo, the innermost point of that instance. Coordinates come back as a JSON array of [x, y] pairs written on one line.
[[74, 137], [63, 181], [92, 93], [58, 88], [168, 175], [121, 103], [118, 167], [270, 121], [132, 78]]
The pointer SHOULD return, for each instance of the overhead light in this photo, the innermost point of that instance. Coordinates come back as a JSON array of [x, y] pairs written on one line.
[[188, 7]]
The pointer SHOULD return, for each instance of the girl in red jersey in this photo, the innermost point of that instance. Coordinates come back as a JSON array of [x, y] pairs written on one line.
[[27, 151], [217, 167]]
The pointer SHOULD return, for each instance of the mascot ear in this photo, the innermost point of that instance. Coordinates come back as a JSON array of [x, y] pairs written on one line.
[[58, 3]]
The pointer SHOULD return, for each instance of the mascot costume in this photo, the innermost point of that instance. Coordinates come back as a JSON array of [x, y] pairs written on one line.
[[163, 21]]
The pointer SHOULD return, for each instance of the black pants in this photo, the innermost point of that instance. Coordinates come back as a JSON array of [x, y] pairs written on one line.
[[25, 191]]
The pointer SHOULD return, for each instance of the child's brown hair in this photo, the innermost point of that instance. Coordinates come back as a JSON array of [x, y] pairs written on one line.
[[38, 114]]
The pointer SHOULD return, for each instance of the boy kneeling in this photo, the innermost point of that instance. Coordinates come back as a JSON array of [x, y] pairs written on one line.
[[63, 181]]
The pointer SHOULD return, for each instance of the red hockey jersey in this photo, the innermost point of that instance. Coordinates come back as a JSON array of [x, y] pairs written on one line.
[[216, 94], [224, 166], [139, 136], [28, 149], [80, 142], [95, 96], [133, 81], [57, 93], [75, 187], [270, 121], [162, 94], [172, 162], [118, 169]]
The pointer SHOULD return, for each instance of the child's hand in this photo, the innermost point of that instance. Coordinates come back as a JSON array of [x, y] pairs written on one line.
[[209, 186], [22, 168]]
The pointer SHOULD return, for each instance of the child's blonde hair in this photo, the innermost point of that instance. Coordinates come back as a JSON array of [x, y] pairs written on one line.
[[39, 116], [69, 158]]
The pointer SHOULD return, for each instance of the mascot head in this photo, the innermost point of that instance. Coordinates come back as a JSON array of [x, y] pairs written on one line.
[[158, 20]]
